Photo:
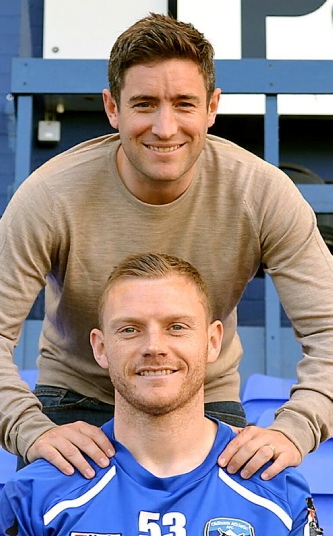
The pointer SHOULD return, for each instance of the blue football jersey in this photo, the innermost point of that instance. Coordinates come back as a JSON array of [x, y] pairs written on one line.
[[125, 499]]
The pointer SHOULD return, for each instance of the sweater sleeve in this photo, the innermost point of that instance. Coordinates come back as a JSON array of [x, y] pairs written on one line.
[[301, 266], [25, 260]]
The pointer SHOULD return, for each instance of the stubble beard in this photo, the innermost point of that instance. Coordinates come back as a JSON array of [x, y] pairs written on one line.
[[157, 405]]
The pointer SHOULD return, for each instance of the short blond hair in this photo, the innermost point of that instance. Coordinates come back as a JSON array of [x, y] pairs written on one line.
[[154, 266]]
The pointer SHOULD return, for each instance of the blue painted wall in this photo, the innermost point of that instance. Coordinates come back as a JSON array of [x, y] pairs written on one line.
[[10, 14], [21, 23]]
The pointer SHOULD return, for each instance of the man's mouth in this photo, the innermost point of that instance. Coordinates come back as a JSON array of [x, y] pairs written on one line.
[[163, 372], [163, 149]]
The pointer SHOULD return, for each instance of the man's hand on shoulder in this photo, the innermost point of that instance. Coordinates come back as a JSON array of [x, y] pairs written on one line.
[[253, 447], [63, 446]]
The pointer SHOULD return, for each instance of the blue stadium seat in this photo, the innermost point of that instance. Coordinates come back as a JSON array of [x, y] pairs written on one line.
[[266, 418], [263, 392], [29, 376]]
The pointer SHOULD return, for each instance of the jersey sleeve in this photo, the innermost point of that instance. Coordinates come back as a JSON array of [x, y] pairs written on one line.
[[305, 522], [16, 516]]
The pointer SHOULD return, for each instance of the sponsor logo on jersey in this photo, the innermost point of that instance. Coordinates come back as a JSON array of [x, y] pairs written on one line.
[[224, 526], [96, 534]]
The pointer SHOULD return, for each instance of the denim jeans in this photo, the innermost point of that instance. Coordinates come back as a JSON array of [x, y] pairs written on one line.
[[63, 406], [228, 412]]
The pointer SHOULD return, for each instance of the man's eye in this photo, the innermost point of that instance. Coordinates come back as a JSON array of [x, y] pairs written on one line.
[[129, 329], [177, 327], [186, 104], [143, 105]]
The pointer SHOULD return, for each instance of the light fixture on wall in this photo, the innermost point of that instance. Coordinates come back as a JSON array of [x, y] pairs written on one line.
[[49, 129]]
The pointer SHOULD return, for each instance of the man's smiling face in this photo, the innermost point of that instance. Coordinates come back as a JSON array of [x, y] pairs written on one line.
[[156, 342], [163, 118]]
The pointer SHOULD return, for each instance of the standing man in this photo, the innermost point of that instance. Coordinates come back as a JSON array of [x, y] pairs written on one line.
[[155, 339], [161, 184]]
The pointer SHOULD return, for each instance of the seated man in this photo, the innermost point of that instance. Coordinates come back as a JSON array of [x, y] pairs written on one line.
[[156, 337]]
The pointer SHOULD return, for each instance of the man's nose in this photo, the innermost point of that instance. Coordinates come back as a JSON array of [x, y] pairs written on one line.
[[165, 122], [154, 344]]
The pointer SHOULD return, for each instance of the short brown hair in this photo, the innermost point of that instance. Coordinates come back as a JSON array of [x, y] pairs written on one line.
[[154, 266], [156, 38]]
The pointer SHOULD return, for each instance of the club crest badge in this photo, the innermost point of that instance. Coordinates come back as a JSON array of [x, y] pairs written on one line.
[[224, 526]]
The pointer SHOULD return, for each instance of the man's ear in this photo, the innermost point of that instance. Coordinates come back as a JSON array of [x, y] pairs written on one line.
[[111, 108], [215, 336], [98, 347], [213, 107]]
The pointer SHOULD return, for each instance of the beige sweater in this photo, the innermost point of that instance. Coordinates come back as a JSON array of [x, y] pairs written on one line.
[[73, 219]]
